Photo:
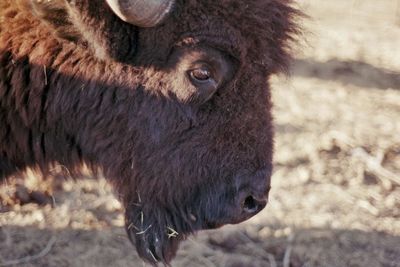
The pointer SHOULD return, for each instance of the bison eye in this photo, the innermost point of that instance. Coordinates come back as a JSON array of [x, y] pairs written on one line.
[[200, 75], [202, 71], [202, 78]]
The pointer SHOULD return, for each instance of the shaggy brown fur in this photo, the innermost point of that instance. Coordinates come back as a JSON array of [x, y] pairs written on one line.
[[78, 85]]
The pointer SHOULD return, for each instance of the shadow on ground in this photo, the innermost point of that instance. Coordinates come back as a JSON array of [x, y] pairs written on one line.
[[348, 72], [245, 246]]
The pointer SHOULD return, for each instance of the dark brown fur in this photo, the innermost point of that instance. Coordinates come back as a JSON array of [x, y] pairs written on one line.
[[75, 88]]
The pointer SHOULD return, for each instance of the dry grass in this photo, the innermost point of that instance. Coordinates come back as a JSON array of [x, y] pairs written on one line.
[[336, 193]]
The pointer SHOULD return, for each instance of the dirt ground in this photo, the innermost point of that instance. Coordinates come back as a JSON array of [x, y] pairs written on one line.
[[336, 186]]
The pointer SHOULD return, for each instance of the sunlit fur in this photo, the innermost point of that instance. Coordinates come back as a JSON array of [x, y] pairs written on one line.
[[78, 85]]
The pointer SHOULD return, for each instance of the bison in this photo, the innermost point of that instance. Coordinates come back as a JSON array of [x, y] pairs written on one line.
[[169, 99]]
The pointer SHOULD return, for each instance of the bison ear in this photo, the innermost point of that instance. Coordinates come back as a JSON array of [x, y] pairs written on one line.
[[91, 24]]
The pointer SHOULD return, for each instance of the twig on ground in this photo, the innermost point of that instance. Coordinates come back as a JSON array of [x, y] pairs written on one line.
[[375, 165], [351, 199], [29, 258], [53, 200], [288, 251], [271, 259], [367, 206]]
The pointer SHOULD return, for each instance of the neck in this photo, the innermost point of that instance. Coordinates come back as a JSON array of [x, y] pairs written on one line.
[[60, 104]]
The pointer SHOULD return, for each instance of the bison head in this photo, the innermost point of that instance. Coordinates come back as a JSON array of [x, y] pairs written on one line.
[[183, 127]]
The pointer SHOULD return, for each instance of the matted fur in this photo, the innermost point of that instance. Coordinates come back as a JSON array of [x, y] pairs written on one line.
[[78, 87]]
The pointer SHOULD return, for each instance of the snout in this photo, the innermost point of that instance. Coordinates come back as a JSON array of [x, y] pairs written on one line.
[[252, 195]]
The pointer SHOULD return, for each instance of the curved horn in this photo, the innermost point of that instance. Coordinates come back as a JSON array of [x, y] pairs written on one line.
[[142, 13]]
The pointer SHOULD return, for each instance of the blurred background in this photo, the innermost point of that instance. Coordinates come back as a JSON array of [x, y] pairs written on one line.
[[336, 186]]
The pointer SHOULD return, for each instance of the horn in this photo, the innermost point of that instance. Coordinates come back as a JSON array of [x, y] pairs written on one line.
[[142, 13]]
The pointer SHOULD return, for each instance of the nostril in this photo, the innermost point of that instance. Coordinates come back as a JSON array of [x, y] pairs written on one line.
[[252, 205]]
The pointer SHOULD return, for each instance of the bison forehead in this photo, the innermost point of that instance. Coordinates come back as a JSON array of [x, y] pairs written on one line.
[[255, 31]]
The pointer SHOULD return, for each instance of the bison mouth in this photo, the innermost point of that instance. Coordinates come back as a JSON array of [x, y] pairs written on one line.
[[156, 243], [157, 232]]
